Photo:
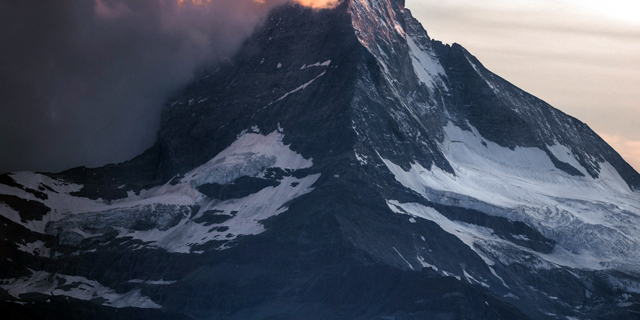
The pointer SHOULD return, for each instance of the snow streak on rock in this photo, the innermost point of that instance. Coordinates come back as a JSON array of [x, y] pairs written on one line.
[[175, 216], [74, 287]]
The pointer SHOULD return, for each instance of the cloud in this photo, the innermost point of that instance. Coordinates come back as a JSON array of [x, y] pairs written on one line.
[[628, 149], [318, 4], [83, 81]]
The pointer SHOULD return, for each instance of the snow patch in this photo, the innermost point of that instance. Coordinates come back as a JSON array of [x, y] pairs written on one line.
[[317, 64], [249, 212], [75, 287], [247, 156], [33, 180], [491, 247], [477, 70], [167, 211], [524, 185], [565, 155], [513, 296], [425, 264], [361, 158], [35, 248], [520, 237], [302, 87], [472, 280], [10, 214], [467, 233], [426, 66], [405, 260]]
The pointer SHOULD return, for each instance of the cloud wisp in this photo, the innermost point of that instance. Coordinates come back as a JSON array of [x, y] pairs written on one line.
[[84, 81]]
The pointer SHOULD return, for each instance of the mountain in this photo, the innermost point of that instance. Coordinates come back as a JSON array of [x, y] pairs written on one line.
[[343, 165]]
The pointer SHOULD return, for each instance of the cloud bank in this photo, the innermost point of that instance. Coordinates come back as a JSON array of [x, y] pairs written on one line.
[[83, 81]]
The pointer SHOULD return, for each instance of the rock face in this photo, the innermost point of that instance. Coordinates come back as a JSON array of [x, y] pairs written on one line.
[[342, 166]]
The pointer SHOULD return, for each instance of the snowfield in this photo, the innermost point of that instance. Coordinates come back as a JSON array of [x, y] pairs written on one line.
[[596, 222], [174, 214]]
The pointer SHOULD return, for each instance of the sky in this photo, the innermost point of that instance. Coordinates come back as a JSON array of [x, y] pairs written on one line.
[[580, 56], [83, 81]]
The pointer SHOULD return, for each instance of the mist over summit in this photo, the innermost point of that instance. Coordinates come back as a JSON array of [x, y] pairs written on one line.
[[85, 81]]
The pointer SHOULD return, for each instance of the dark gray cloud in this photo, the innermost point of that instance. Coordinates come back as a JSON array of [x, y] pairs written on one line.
[[83, 82]]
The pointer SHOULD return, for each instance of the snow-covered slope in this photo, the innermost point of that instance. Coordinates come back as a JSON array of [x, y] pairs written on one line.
[[594, 220], [175, 216]]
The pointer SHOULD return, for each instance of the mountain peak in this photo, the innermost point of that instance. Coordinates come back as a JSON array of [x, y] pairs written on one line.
[[342, 165]]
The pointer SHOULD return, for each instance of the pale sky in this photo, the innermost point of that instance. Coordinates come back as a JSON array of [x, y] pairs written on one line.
[[581, 56]]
